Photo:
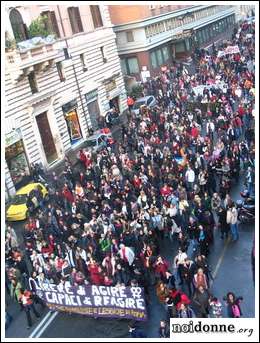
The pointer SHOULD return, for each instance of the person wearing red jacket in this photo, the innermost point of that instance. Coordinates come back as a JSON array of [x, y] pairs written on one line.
[[96, 277], [137, 182], [166, 190], [47, 249], [130, 102], [161, 268], [69, 198], [194, 132], [28, 305], [179, 298], [82, 157]]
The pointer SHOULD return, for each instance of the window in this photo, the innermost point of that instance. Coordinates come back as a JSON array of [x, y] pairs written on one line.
[[159, 57], [32, 82], [153, 59], [103, 54], [180, 47], [207, 35], [51, 22], [18, 26], [83, 61], [133, 66], [130, 66], [165, 52], [96, 16], [123, 66], [60, 71], [75, 20], [129, 36]]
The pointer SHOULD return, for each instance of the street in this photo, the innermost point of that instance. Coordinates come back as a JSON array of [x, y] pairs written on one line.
[[146, 197], [234, 273]]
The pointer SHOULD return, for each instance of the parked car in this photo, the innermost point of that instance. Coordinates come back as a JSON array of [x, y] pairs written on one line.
[[18, 209], [97, 142], [148, 101]]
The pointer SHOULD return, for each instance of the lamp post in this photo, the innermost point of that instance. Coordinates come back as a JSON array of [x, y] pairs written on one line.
[[68, 56]]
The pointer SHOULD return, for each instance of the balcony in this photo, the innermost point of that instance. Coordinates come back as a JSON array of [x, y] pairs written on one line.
[[37, 54]]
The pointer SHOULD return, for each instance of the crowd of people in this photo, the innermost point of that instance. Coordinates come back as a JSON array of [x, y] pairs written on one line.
[[167, 181]]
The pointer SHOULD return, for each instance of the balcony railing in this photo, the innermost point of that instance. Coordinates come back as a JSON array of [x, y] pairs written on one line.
[[35, 54]]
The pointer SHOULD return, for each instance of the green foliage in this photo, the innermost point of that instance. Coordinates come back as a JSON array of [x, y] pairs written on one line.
[[136, 91], [39, 27], [10, 43]]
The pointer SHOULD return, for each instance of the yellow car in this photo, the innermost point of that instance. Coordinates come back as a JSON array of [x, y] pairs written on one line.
[[18, 209]]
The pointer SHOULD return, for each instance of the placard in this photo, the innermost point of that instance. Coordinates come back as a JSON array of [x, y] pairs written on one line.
[[95, 301]]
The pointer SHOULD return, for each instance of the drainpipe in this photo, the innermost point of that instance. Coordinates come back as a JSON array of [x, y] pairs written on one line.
[[74, 71]]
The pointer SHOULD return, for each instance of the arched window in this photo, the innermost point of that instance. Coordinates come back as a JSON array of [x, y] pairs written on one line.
[[18, 26]]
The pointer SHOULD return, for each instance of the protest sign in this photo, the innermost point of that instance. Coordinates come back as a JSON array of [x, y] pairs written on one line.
[[95, 301], [198, 90], [232, 49], [221, 54]]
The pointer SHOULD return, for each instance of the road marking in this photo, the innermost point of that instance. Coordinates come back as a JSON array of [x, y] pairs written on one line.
[[41, 330], [220, 260], [38, 331], [40, 324]]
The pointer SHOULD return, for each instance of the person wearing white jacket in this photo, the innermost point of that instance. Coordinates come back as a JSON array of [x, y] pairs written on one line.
[[126, 254], [232, 218]]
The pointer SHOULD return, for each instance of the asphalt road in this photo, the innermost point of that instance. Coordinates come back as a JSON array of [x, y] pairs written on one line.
[[230, 261]]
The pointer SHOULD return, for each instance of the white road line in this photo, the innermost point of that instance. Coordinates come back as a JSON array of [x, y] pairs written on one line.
[[220, 260], [39, 333], [40, 324]]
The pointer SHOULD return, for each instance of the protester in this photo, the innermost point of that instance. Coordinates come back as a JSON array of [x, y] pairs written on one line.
[[233, 305], [168, 181]]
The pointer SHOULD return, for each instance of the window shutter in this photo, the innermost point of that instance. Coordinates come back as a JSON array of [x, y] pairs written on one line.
[[78, 20], [71, 17], [54, 23], [96, 16], [25, 30]]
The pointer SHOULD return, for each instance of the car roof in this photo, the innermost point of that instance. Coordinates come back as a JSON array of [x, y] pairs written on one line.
[[28, 188], [95, 136], [145, 98]]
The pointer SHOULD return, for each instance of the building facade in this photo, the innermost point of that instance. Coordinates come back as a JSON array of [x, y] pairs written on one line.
[[158, 35], [244, 11], [56, 88]]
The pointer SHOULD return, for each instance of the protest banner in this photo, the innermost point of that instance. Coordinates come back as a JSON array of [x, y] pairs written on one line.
[[232, 49], [95, 301]]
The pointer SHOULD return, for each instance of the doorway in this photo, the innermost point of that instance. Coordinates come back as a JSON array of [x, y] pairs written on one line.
[[46, 137], [115, 103]]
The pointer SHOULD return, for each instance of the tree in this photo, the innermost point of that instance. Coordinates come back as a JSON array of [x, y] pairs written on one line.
[[136, 91], [39, 27], [10, 42]]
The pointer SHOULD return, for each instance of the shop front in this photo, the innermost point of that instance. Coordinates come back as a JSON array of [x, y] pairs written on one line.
[[71, 116], [16, 159]]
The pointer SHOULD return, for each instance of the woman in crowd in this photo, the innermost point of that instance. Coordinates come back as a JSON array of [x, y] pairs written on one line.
[[112, 219]]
